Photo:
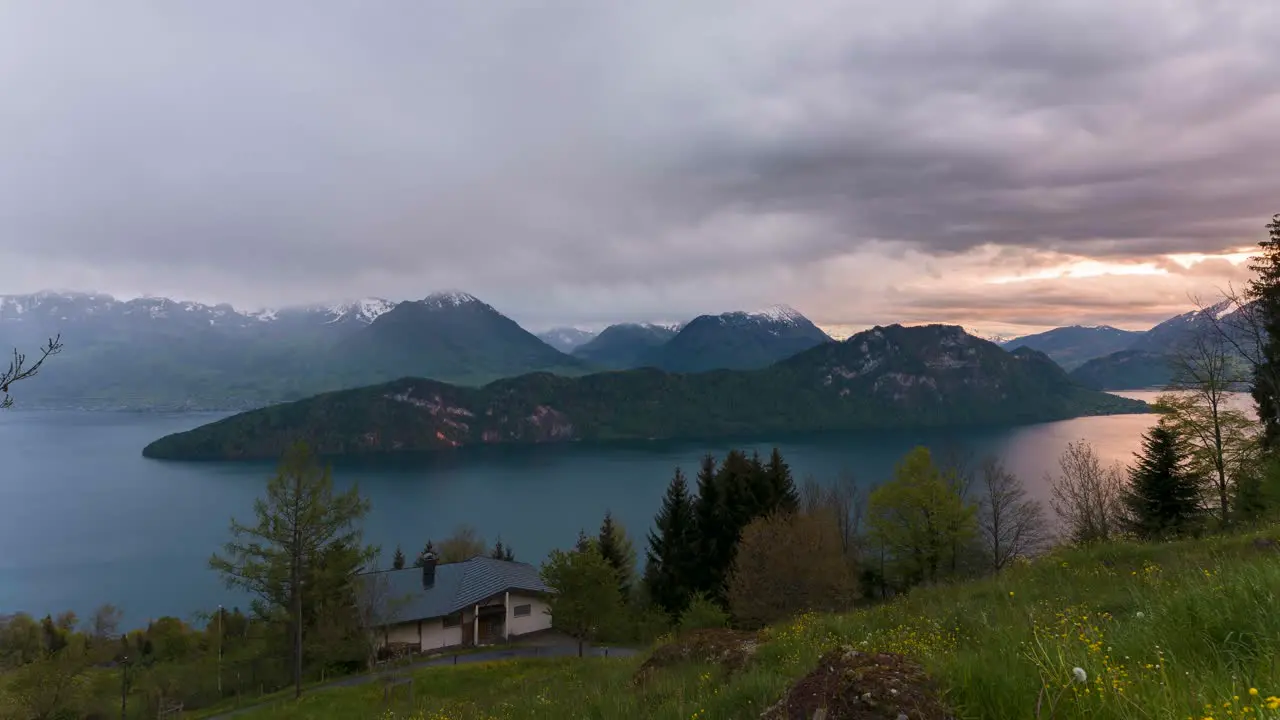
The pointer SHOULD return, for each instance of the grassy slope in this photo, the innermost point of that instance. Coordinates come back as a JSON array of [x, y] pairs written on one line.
[[1207, 633]]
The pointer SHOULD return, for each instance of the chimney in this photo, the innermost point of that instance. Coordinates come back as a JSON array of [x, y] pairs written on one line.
[[428, 570]]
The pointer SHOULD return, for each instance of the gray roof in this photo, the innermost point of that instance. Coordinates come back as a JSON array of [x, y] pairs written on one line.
[[457, 585]]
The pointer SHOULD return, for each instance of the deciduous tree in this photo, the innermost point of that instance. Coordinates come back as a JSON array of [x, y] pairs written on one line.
[[1009, 522], [586, 598], [298, 521], [920, 518], [789, 563], [1086, 495], [21, 368], [1198, 411], [464, 544]]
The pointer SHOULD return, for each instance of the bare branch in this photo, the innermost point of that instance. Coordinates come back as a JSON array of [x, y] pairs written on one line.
[[20, 370]]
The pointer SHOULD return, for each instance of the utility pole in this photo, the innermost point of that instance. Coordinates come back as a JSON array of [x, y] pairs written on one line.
[[219, 652], [124, 687]]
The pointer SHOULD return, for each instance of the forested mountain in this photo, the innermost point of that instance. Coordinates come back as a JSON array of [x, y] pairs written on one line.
[[626, 345], [1073, 346], [737, 341], [885, 377]]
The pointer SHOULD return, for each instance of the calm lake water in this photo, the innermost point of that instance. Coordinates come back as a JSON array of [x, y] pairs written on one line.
[[85, 519]]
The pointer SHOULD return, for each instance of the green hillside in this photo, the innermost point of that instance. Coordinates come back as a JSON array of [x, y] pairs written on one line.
[[1175, 630]]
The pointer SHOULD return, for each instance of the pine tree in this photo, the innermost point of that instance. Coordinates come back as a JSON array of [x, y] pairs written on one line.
[[710, 524], [584, 543], [502, 552], [1163, 497], [671, 560], [783, 495], [610, 546], [1265, 291], [397, 561]]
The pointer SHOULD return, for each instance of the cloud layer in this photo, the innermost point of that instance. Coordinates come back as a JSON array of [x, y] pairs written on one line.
[[592, 162]]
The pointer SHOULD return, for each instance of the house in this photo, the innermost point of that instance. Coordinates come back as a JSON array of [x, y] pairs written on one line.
[[475, 602]]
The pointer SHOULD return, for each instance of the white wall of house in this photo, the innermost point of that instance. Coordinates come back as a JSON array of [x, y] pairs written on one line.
[[434, 635], [537, 619]]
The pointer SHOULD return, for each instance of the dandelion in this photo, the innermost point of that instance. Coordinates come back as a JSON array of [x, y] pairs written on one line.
[[1080, 675], [1253, 692], [1140, 615]]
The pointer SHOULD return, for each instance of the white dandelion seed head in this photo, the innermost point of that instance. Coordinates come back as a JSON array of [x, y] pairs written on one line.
[[1141, 615], [1080, 675]]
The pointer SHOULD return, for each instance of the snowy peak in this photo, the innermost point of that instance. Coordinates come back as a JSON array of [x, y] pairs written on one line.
[[451, 298], [781, 314], [365, 310], [565, 339]]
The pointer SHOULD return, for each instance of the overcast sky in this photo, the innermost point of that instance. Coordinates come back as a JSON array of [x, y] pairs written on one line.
[[1003, 165]]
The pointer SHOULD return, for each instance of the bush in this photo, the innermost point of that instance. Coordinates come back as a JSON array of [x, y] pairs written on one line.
[[702, 614]]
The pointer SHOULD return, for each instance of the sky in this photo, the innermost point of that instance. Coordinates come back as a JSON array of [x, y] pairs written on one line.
[[1004, 165]]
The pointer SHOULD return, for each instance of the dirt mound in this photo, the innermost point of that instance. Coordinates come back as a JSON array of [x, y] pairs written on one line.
[[731, 649], [851, 685]]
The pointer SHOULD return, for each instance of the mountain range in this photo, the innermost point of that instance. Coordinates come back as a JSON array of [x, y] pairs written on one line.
[[1106, 358], [885, 377], [157, 353]]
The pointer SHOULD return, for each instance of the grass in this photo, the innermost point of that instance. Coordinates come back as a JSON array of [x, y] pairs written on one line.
[[1179, 630]]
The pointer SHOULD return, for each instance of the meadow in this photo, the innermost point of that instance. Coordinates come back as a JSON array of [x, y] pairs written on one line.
[[1125, 630]]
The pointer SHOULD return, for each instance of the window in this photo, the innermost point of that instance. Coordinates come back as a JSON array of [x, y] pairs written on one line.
[[453, 621], [522, 610]]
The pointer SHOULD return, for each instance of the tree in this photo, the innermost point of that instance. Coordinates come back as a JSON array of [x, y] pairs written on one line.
[[782, 487], [919, 517], [1010, 523], [104, 623], [21, 641], [1263, 293], [789, 563], [586, 593], [54, 686], [502, 552], [672, 556], [378, 609], [703, 613], [21, 369], [845, 501], [428, 549], [464, 544], [1085, 495], [1197, 409], [397, 560], [584, 543], [616, 548], [298, 522], [1163, 497], [711, 531]]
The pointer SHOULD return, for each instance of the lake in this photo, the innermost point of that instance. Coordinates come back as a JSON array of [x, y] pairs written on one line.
[[85, 519]]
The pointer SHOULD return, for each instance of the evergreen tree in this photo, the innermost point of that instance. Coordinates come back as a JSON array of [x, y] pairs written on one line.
[[584, 543], [428, 549], [502, 552], [397, 561], [1163, 497], [1264, 290], [783, 494], [671, 560], [609, 542], [711, 531]]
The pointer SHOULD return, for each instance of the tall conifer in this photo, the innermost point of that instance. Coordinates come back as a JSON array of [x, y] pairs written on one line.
[[672, 557], [1164, 495], [1265, 291]]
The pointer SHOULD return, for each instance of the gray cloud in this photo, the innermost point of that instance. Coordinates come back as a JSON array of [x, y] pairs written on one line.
[[597, 161]]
